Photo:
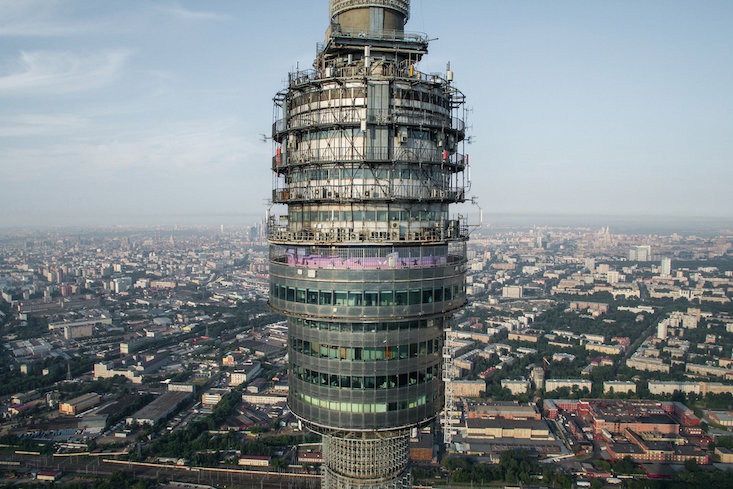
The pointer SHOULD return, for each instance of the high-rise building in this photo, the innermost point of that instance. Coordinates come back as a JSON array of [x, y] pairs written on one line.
[[640, 253], [365, 260], [666, 267]]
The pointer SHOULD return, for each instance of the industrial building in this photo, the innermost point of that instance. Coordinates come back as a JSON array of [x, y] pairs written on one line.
[[161, 407], [78, 404], [365, 259]]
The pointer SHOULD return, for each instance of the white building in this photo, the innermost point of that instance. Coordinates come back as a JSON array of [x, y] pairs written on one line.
[[618, 386], [512, 291], [662, 329], [516, 386], [666, 267], [580, 384]]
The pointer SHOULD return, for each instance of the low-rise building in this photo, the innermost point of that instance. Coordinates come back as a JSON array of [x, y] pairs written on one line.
[[254, 460], [647, 364], [515, 386], [212, 397], [554, 384], [663, 387], [161, 407], [469, 388], [618, 386], [78, 404]]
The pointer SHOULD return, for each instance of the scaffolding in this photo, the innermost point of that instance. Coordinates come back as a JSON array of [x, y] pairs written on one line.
[[449, 375]]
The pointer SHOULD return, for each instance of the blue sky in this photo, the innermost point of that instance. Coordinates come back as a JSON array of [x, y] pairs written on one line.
[[149, 112]]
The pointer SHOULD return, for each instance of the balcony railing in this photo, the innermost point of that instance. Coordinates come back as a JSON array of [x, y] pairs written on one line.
[[451, 230], [365, 258], [334, 154], [297, 79], [354, 116], [393, 190]]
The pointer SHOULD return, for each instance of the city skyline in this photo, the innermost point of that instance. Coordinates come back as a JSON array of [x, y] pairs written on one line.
[[141, 113]]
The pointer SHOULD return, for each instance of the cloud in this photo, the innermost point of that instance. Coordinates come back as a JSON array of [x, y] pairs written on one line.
[[39, 72], [195, 150], [46, 125], [194, 15], [36, 18]]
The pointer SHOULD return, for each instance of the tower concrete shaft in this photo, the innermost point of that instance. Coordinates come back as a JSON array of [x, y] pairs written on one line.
[[365, 260]]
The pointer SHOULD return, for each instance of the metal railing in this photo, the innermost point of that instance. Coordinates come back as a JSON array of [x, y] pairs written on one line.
[[353, 115], [299, 78], [365, 258], [392, 190], [334, 154], [450, 230]]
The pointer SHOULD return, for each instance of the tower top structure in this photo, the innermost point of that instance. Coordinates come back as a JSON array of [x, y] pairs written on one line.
[[360, 14]]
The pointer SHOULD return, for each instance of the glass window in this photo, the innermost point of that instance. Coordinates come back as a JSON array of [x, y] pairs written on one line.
[[357, 382], [355, 298], [404, 351], [325, 297], [370, 382], [291, 294], [300, 295], [381, 382], [448, 295], [340, 298], [414, 296], [371, 298], [413, 350], [400, 297], [438, 295], [386, 298], [346, 381], [381, 216], [427, 296], [312, 296]]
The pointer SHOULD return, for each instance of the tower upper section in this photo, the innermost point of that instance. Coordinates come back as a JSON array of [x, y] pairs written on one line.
[[369, 149]]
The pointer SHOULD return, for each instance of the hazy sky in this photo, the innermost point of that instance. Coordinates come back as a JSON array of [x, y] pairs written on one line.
[[141, 111]]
